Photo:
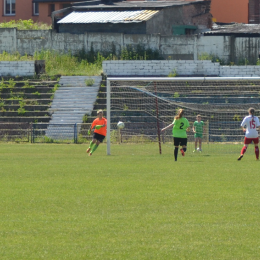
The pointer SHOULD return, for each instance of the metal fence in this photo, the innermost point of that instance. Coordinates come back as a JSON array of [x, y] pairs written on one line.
[[44, 133], [78, 133], [15, 132], [60, 133]]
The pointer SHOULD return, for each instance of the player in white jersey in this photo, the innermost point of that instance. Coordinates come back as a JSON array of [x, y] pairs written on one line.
[[250, 125]]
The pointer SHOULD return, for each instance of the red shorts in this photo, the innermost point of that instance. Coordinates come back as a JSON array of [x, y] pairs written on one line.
[[250, 140]]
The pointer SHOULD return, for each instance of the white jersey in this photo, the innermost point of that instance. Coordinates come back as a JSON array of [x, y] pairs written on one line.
[[251, 123]]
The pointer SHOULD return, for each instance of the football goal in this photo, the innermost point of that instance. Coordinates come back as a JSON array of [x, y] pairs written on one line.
[[146, 105]]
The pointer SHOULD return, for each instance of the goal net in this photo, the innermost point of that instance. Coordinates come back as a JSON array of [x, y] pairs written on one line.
[[146, 105]]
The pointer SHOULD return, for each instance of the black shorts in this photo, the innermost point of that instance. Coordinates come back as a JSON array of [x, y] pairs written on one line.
[[99, 137], [180, 141]]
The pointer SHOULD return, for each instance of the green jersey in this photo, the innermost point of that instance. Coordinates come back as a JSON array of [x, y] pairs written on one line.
[[179, 128], [198, 127]]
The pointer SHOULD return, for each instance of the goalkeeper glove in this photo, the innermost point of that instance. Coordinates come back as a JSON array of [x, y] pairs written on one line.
[[98, 127], [89, 132]]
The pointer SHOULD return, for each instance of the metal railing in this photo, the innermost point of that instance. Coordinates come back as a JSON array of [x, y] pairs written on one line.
[[60, 133], [78, 133]]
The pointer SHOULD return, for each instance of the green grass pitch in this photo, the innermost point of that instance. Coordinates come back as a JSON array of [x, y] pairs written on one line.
[[58, 203]]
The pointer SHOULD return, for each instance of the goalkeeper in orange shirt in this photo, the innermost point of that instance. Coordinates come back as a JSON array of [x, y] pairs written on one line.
[[100, 126]]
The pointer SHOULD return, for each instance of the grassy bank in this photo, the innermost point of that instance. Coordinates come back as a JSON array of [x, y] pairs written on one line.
[[25, 25], [59, 63], [82, 62]]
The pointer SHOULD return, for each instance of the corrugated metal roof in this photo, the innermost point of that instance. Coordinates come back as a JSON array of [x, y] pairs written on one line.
[[235, 28], [109, 16]]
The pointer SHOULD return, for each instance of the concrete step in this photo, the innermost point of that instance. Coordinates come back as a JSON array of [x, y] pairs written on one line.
[[79, 81], [67, 118], [80, 89], [69, 110], [71, 102], [74, 111], [80, 96]]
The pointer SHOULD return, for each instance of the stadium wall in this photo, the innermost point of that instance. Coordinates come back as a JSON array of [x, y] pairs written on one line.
[[17, 68], [183, 47], [146, 68], [162, 68]]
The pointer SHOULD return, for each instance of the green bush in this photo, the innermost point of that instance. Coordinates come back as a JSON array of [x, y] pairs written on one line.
[[25, 25], [21, 111], [173, 73], [47, 139], [27, 85], [85, 118], [89, 82]]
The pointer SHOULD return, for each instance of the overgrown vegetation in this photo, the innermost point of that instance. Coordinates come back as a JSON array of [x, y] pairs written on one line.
[[10, 84], [27, 85], [25, 25], [56, 87], [85, 118], [173, 73], [21, 110], [213, 58], [90, 82], [82, 62], [237, 118], [90, 63]]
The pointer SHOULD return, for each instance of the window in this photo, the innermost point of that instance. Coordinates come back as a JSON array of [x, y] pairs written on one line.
[[36, 9], [51, 8], [9, 7]]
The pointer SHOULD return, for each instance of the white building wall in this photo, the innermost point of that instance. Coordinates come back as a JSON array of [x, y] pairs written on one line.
[[157, 68]]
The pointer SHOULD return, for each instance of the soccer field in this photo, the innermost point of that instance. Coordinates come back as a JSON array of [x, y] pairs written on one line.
[[58, 203]]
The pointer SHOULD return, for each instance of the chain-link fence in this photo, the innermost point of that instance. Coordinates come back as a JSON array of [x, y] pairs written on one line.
[[78, 134], [15, 132], [60, 133], [44, 133]]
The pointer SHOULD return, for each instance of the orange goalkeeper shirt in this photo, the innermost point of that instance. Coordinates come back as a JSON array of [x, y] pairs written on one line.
[[102, 130]]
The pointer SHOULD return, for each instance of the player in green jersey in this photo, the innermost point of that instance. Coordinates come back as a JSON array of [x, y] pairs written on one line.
[[198, 129], [179, 127]]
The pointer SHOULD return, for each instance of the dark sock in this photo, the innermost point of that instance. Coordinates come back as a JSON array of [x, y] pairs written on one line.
[[184, 149], [176, 153]]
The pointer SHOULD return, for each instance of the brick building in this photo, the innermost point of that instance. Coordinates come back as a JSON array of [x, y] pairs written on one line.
[[238, 11], [254, 12], [46, 7], [37, 10], [229, 11], [18, 9]]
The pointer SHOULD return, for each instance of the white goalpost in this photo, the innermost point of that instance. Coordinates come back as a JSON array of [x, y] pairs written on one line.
[[148, 104]]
